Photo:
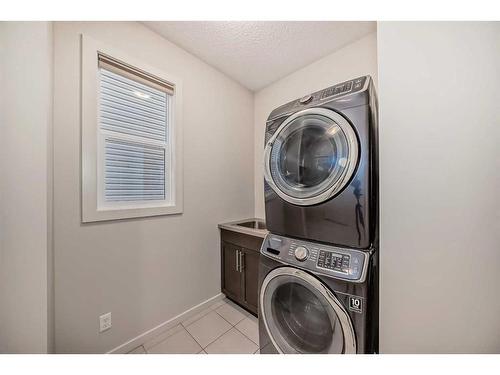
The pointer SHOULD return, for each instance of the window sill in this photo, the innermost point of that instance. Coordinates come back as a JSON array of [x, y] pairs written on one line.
[[129, 213]]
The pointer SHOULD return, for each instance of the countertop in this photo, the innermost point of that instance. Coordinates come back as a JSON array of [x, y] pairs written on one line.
[[235, 227]]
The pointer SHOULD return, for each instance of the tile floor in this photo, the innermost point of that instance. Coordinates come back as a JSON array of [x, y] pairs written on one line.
[[222, 328]]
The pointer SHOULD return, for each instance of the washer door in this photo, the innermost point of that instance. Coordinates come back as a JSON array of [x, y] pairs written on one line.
[[301, 315], [311, 156]]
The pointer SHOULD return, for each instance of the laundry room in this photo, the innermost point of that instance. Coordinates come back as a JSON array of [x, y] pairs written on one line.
[[249, 187]]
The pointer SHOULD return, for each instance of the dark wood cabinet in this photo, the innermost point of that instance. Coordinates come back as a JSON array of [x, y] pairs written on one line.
[[231, 277], [250, 288], [240, 268]]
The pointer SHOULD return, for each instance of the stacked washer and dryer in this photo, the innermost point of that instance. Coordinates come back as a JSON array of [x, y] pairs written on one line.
[[318, 273]]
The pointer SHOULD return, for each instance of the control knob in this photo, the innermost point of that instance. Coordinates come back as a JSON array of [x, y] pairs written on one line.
[[301, 253], [306, 99]]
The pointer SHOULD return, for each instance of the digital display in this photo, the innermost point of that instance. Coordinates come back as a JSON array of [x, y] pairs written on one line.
[[333, 261]]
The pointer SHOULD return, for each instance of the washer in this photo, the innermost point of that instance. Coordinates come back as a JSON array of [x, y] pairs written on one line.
[[320, 166], [316, 298]]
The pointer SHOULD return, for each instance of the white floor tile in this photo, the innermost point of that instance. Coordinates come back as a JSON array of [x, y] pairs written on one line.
[[203, 312], [232, 313], [208, 328], [197, 316], [179, 343], [232, 342], [162, 336], [250, 328], [218, 303], [139, 350]]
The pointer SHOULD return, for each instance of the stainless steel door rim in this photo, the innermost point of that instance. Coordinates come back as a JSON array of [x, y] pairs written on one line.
[[318, 288], [334, 185]]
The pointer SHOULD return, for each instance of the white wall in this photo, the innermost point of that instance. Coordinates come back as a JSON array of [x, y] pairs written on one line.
[[356, 59], [146, 271], [440, 183], [25, 129]]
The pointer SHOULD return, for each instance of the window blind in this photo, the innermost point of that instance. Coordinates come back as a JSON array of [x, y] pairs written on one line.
[[132, 108], [133, 172], [133, 112]]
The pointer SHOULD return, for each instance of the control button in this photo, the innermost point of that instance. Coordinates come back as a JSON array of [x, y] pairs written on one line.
[[338, 89], [306, 99], [301, 253], [327, 93]]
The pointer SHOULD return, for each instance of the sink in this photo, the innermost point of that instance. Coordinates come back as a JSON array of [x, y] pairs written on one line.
[[253, 227], [254, 224]]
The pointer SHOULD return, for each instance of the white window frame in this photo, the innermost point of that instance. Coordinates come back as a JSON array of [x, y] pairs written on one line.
[[94, 207]]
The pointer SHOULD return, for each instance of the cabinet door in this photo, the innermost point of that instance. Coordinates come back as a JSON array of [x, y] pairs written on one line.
[[231, 282], [250, 265]]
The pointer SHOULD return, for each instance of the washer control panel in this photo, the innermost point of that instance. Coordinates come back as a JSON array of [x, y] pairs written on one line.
[[342, 263]]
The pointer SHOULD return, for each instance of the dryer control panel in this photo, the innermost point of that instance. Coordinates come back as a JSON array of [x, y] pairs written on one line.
[[320, 97], [341, 263], [343, 88]]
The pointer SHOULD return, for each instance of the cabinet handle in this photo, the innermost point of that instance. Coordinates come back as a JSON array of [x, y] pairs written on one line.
[[242, 258], [237, 260]]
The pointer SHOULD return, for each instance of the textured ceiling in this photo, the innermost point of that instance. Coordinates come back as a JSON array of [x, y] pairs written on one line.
[[259, 53]]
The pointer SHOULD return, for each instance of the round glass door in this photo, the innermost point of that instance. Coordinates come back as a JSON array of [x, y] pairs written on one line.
[[302, 316], [311, 157]]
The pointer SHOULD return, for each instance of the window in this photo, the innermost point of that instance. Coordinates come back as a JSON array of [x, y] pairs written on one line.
[[133, 124], [130, 129]]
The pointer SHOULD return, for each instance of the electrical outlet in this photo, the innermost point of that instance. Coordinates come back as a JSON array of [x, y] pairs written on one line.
[[105, 322]]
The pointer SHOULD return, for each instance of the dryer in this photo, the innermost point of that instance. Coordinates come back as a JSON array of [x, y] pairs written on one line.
[[320, 166]]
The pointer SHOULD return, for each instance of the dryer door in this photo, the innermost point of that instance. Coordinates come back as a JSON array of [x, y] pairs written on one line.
[[311, 156], [301, 315]]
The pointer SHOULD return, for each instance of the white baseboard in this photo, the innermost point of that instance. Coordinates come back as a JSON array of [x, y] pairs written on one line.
[[148, 335]]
